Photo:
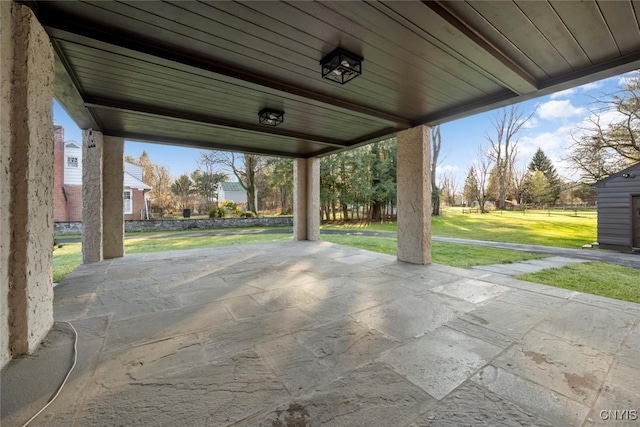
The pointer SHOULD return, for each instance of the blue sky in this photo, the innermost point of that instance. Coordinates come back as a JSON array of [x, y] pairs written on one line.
[[557, 117]]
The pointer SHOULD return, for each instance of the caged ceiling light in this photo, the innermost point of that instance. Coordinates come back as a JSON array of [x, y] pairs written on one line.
[[270, 117], [341, 66]]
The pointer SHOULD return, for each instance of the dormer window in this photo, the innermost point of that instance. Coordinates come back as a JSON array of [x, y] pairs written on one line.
[[72, 162]]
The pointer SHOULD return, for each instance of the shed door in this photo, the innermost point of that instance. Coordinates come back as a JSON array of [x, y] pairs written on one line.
[[635, 215]]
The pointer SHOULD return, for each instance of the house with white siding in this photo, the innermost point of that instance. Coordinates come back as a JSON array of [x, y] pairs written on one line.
[[67, 190]]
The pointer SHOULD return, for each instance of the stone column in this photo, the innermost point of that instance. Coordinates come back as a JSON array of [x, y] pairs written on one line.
[[313, 198], [112, 202], [414, 196], [26, 181], [300, 199], [92, 196], [306, 199]]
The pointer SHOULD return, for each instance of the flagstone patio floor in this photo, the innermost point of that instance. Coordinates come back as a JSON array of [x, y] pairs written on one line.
[[317, 334]]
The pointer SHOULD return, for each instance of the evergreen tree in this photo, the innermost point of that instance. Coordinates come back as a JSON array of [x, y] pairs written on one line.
[[540, 162], [470, 187]]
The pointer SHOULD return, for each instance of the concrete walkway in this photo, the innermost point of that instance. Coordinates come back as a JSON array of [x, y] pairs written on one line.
[[529, 266], [316, 334]]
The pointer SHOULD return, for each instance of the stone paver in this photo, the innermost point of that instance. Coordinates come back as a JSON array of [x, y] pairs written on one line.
[[315, 334]]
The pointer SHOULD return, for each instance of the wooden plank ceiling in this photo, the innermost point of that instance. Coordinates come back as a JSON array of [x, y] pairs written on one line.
[[197, 73]]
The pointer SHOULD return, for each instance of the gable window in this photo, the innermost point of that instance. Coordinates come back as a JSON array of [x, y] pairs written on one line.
[[72, 162], [128, 202]]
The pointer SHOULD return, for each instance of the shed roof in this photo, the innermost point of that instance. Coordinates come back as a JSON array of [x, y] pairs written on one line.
[[231, 186], [633, 168], [197, 73]]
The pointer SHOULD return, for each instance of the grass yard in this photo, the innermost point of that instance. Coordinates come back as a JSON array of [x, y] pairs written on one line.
[[595, 278], [532, 227], [451, 254]]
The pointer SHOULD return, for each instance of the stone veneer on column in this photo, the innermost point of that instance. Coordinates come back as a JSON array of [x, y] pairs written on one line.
[[26, 193], [313, 198], [92, 225], [414, 196], [306, 199], [300, 199], [112, 203]]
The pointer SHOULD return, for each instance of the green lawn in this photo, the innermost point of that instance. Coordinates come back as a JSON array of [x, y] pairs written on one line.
[[596, 278], [451, 254], [532, 227]]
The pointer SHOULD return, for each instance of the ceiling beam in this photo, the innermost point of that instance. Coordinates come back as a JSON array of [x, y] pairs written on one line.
[[62, 27], [68, 92], [119, 105], [207, 145], [440, 8]]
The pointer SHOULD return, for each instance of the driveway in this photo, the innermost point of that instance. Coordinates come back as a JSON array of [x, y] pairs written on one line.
[[316, 334]]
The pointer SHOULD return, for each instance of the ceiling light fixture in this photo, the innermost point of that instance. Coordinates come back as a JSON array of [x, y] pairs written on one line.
[[341, 66], [270, 117]]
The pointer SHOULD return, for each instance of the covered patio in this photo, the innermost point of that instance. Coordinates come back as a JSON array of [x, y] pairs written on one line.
[[324, 335], [302, 332]]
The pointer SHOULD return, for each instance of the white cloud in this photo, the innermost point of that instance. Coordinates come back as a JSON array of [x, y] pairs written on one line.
[[627, 78], [531, 123], [563, 93], [554, 109], [591, 86]]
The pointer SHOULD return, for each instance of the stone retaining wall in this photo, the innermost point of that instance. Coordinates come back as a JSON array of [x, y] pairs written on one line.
[[62, 228]]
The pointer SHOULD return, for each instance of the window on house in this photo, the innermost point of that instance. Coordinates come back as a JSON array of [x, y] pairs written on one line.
[[72, 162], [128, 203]]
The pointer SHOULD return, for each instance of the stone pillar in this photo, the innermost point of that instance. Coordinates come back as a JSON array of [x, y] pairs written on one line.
[[92, 218], [414, 196], [300, 199], [306, 199], [26, 181], [112, 203], [313, 199]]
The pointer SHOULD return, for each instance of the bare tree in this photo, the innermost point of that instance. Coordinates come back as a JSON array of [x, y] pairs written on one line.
[[448, 185], [610, 141], [482, 170], [436, 144], [503, 150], [520, 183], [244, 166]]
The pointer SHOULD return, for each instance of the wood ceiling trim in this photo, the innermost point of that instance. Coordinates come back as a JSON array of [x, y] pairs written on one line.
[[127, 106], [54, 24]]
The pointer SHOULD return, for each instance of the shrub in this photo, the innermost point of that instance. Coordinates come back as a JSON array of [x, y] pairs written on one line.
[[217, 213], [247, 214]]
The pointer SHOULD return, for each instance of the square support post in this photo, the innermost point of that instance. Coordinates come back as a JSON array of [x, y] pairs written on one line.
[[414, 196], [112, 201], [26, 181], [306, 199], [92, 196]]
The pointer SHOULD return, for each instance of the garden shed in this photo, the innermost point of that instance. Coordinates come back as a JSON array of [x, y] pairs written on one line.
[[619, 210]]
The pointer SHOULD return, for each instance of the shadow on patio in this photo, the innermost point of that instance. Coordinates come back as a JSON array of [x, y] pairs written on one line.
[[300, 333]]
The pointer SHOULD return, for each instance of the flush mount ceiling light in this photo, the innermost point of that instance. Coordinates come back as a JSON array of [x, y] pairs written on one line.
[[270, 117], [341, 66]]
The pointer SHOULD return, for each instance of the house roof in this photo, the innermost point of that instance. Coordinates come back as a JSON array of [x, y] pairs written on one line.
[[131, 181], [632, 168], [197, 73], [72, 144], [231, 186]]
